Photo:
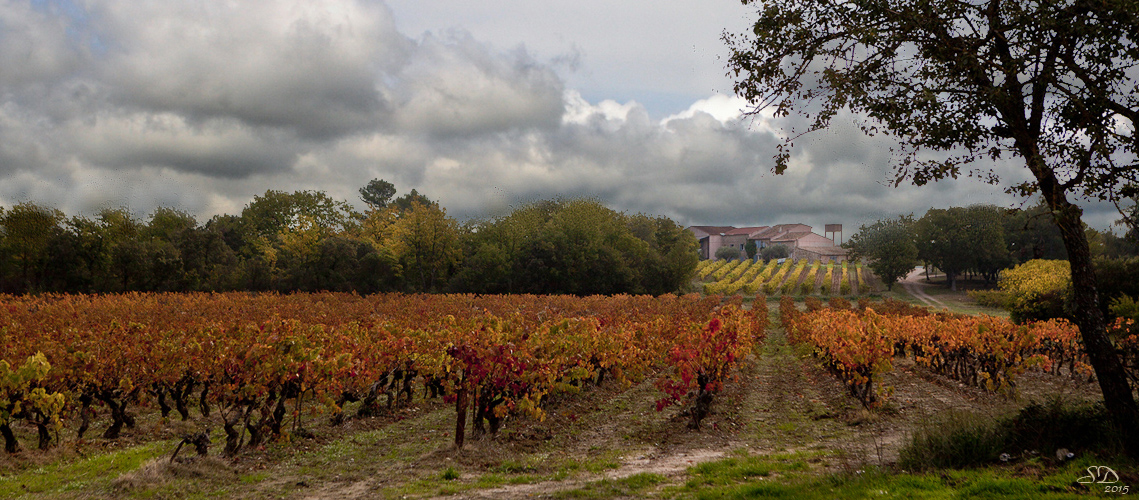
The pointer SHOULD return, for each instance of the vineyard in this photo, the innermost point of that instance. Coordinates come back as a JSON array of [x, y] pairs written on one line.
[[267, 363], [860, 344], [747, 277], [501, 388]]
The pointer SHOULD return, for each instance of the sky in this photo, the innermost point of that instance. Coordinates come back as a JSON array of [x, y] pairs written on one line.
[[480, 105]]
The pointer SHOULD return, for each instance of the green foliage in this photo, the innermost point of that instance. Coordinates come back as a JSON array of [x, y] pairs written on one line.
[[990, 298], [576, 247], [1052, 425], [954, 439], [1041, 289], [1037, 290], [887, 246], [960, 439], [427, 243], [727, 253], [959, 239], [276, 211], [1125, 307], [750, 249], [1117, 277], [1032, 234], [28, 230], [407, 201], [307, 241], [774, 252], [377, 193]]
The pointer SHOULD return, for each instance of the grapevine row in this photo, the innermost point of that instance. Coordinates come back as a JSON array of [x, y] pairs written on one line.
[[983, 351], [257, 359]]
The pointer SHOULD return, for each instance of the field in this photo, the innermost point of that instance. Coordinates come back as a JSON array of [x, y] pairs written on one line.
[[779, 421], [799, 278]]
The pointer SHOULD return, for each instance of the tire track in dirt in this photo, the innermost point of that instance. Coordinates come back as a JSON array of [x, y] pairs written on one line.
[[783, 401], [913, 285]]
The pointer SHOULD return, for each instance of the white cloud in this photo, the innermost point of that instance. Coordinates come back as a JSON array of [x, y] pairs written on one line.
[[457, 86], [721, 107]]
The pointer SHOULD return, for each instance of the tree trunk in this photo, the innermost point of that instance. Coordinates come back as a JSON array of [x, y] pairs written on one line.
[[11, 445], [461, 404], [1117, 395], [85, 412], [230, 422]]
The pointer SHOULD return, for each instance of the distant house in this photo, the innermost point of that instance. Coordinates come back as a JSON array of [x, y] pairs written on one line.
[[738, 238], [830, 253], [782, 234], [710, 238], [799, 238]]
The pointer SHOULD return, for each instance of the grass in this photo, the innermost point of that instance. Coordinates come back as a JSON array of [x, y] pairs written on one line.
[[625, 487], [94, 473], [963, 439], [790, 476]]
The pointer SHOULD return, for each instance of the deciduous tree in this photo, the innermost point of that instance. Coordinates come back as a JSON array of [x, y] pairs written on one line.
[[960, 83], [27, 230], [888, 247]]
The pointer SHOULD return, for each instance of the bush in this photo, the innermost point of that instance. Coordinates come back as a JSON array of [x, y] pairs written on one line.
[[775, 252], [1037, 290], [960, 439], [1039, 307], [990, 298], [954, 440], [727, 253], [1046, 427]]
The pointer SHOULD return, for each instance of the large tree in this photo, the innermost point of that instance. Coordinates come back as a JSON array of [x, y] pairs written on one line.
[[27, 230], [961, 83], [888, 246], [960, 239]]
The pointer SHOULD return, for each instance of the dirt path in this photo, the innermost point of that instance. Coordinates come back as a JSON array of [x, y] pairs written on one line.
[[916, 287], [783, 401]]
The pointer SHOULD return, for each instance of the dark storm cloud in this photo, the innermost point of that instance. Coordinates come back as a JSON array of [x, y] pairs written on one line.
[[205, 104]]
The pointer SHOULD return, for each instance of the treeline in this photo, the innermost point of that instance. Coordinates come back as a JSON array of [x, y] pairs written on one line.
[[308, 241], [979, 240]]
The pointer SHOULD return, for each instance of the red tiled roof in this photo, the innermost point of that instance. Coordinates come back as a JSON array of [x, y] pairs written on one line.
[[832, 250], [713, 229], [792, 236], [745, 230]]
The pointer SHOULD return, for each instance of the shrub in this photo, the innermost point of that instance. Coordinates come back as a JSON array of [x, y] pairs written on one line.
[[775, 252], [449, 474], [960, 439], [1046, 427], [1039, 307], [728, 253], [1037, 290], [953, 440], [990, 298]]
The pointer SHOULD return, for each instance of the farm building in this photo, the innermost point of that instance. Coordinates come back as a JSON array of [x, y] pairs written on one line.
[[803, 242]]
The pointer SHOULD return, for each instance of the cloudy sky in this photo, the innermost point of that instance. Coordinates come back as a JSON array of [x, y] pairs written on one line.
[[482, 105]]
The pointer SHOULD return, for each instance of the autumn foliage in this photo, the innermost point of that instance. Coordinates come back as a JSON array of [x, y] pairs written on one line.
[[266, 362], [982, 351]]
